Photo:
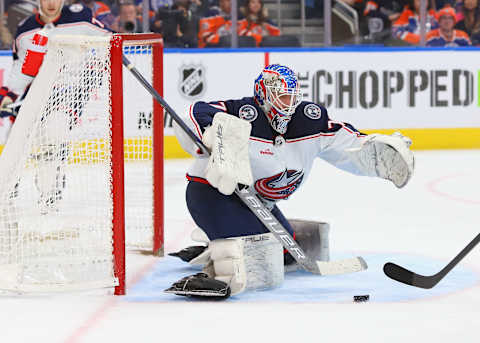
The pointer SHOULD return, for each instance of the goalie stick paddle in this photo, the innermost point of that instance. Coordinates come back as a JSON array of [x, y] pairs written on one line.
[[256, 205], [408, 277]]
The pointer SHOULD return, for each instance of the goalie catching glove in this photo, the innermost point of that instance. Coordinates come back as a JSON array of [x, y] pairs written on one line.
[[229, 162], [388, 157]]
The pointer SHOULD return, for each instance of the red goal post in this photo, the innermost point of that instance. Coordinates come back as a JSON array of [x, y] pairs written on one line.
[[121, 151]]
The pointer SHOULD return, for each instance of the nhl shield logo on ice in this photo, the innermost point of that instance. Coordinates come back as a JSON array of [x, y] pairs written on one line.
[[248, 113], [313, 111], [192, 81]]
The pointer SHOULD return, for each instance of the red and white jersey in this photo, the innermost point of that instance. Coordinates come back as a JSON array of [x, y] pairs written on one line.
[[280, 163], [74, 20]]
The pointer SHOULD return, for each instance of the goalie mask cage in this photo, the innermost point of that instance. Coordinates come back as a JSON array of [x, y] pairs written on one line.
[[81, 175]]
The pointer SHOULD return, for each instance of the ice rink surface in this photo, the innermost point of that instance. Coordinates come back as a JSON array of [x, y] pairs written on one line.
[[421, 227]]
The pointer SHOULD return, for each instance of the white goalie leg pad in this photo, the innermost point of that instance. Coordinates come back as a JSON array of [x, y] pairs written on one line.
[[228, 264], [247, 263], [313, 237], [264, 261], [229, 162], [388, 157]]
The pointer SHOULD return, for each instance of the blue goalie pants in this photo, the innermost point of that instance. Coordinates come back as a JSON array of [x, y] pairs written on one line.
[[224, 216]]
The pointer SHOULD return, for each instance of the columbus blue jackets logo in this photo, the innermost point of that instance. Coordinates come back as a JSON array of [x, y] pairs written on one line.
[[279, 186], [313, 111], [248, 112], [192, 81]]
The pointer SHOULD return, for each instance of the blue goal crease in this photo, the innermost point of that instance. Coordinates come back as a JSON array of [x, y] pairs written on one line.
[[303, 287]]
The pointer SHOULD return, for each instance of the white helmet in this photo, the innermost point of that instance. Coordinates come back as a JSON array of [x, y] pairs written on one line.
[[278, 94]]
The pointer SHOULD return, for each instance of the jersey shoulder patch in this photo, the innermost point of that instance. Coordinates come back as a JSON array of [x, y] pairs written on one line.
[[312, 111], [248, 112], [76, 8], [75, 13], [309, 119]]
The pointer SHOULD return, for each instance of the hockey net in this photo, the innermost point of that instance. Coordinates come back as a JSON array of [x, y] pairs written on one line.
[[82, 168]]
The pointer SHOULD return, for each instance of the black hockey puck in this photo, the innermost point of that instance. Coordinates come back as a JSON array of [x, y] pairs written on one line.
[[361, 298]]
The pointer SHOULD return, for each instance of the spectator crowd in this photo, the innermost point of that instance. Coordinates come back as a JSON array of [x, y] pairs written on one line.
[[182, 23], [208, 23], [448, 22]]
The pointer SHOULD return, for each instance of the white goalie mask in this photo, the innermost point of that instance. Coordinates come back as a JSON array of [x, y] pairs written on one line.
[[278, 93]]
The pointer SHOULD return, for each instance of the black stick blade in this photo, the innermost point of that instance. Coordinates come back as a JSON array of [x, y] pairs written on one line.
[[403, 275], [400, 274]]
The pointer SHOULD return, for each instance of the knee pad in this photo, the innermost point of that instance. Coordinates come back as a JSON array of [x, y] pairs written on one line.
[[246, 263], [198, 235]]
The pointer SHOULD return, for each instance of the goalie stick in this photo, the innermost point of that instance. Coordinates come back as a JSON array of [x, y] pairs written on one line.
[[408, 277], [257, 207]]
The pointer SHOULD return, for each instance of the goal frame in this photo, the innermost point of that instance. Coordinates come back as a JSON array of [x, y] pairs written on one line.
[[118, 155]]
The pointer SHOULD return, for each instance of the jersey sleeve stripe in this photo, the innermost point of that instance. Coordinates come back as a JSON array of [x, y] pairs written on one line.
[[197, 179], [220, 105], [353, 132], [195, 123], [309, 137], [261, 140]]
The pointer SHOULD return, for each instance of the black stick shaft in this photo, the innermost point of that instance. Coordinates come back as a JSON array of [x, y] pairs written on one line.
[[460, 256]]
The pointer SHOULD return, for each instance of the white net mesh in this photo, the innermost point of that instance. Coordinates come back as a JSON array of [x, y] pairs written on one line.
[[55, 184]]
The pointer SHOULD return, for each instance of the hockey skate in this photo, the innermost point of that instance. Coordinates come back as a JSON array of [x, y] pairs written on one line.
[[200, 286]]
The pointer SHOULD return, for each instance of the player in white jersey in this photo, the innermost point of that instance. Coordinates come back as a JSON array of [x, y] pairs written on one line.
[[53, 19], [29, 48], [268, 142]]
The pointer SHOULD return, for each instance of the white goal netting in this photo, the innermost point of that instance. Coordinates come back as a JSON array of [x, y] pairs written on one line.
[[56, 173]]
